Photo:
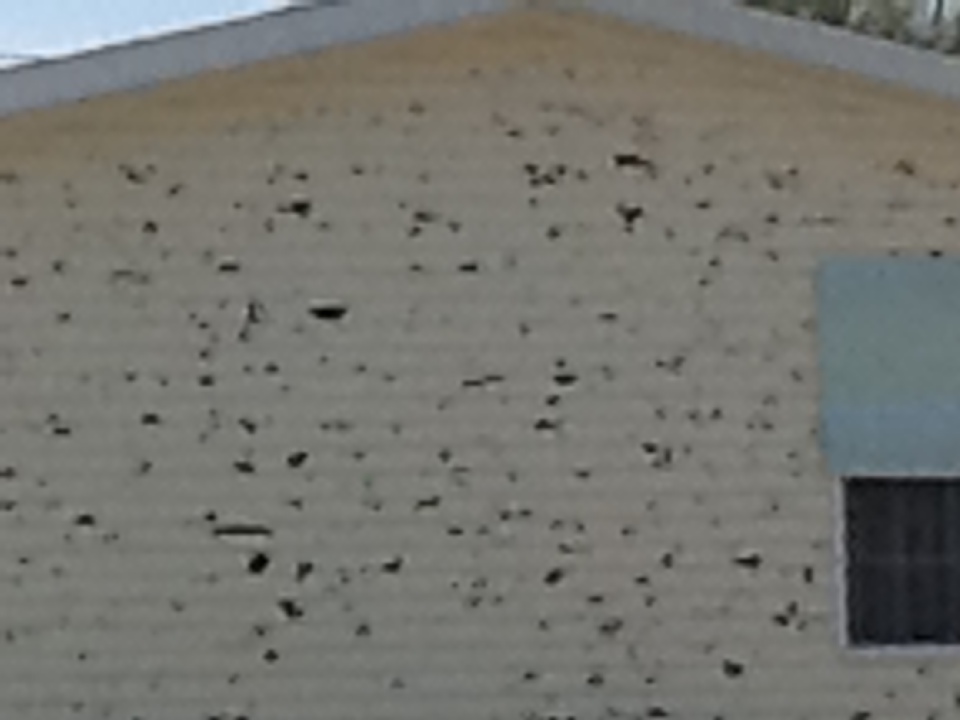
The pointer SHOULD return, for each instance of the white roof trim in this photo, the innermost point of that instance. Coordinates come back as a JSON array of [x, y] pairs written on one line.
[[290, 31], [793, 39], [310, 28]]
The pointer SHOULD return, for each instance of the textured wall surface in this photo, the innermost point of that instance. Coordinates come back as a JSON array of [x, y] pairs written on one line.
[[464, 375]]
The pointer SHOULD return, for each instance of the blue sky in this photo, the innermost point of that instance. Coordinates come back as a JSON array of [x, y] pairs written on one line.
[[56, 27]]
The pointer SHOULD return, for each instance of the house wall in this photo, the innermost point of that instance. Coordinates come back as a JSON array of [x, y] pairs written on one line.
[[503, 453]]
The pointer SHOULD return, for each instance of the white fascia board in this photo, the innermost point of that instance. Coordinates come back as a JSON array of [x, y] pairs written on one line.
[[283, 33], [807, 43]]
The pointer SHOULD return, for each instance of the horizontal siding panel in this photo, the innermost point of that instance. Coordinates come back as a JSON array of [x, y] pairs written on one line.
[[456, 543]]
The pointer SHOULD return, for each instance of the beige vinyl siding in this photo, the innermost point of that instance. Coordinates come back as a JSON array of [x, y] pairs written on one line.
[[537, 444]]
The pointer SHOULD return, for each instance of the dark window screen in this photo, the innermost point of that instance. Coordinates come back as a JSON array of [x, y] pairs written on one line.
[[903, 561]]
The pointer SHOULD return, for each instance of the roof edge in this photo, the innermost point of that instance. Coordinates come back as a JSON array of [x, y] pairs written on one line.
[[300, 29], [173, 56], [793, 39]]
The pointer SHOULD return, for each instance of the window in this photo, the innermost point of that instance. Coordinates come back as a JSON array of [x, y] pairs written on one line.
[[889, 347], [902, 574]]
